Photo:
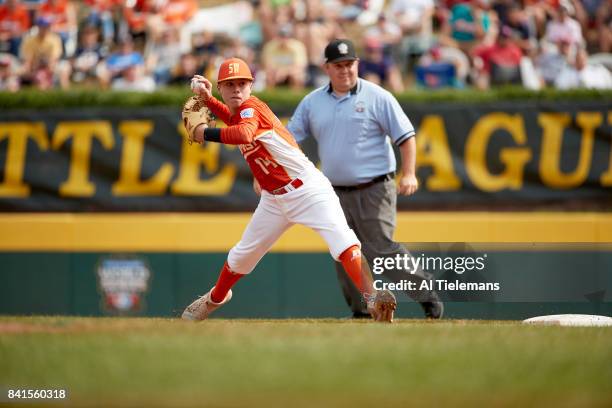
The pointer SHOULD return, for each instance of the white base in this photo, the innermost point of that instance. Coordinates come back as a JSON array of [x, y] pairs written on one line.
[[571, 320]]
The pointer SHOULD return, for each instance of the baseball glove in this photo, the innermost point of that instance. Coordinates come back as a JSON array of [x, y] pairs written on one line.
[[196, 113], [382, 305]]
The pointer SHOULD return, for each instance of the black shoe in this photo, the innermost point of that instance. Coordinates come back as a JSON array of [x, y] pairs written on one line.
[[361, 315], [433, 310]]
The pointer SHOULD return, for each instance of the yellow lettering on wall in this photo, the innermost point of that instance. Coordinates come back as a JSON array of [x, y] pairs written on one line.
[[514, 158], [82, 133], [606, 177], [193, 157], [553, 125], [18, 134], [129, 183], [433, 151]]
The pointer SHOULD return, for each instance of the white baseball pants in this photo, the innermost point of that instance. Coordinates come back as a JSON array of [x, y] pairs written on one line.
[[314, 205]]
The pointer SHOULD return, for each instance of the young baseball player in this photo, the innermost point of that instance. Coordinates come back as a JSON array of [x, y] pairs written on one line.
[[293, 190]]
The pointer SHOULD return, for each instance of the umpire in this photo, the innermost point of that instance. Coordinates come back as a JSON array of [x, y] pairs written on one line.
[[354, 123]]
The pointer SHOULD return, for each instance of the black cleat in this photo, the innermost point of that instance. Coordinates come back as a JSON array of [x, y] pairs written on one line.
[[361, 315], [433, 310]]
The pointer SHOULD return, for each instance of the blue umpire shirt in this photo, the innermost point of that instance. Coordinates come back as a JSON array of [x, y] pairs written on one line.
[[353, 132]]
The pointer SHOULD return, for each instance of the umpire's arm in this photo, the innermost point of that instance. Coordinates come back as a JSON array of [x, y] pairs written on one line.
[[396, 124], [408, 182]]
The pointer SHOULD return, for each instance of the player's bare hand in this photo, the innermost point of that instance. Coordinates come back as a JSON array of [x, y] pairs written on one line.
[[198, 134], [256, 187], [408, 185], [201, 87]]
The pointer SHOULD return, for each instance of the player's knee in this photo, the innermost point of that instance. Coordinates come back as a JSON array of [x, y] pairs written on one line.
[[338, 247], [239, 262]]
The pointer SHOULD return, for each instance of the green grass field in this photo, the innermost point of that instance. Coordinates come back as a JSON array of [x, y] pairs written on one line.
[[306, 363]]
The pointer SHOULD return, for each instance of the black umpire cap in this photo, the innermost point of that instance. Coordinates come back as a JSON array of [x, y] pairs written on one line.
[[340, 50]]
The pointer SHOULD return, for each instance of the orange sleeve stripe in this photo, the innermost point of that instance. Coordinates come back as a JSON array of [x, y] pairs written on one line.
[[219, 109], [242, 133]]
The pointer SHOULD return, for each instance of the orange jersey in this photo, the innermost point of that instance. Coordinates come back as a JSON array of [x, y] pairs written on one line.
[[179, 11], [269, 149], [103, 5], [15, 21]]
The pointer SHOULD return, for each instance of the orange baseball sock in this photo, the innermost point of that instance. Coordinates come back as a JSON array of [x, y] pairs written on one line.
[[226, 280], [351, 261]]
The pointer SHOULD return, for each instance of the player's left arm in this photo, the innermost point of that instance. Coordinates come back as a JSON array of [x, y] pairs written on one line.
[[408, 183], [243, 132], [396, 124]]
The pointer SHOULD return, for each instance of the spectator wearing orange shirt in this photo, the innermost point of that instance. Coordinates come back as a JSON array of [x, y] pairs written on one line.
[[14, 24], [177, 12], [174, 14], [147, 18]]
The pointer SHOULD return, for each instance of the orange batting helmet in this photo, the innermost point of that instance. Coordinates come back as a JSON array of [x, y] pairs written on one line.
[[234, 68]]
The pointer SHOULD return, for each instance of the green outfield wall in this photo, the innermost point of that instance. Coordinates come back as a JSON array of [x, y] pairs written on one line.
[[50, 263], [283, 285]]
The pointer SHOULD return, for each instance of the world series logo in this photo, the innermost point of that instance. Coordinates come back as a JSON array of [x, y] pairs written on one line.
[[123, 282]]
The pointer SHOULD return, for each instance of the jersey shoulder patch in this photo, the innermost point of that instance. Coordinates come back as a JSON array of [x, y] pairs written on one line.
[[247, 113]]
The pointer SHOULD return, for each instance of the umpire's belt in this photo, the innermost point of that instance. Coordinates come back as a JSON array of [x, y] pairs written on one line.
[[384, 177], [293, 185]]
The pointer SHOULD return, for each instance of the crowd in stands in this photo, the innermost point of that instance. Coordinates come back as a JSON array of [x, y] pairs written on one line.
[[143, 45]]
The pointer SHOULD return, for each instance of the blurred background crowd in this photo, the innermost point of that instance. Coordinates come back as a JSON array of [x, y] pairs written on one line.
[[147, 44]]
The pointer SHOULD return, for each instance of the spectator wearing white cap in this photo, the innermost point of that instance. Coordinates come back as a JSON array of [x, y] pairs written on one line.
[[552, 60], [564, 26], [581, 74]]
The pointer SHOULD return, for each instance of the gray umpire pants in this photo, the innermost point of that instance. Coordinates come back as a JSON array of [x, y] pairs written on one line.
[[371, 213]]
